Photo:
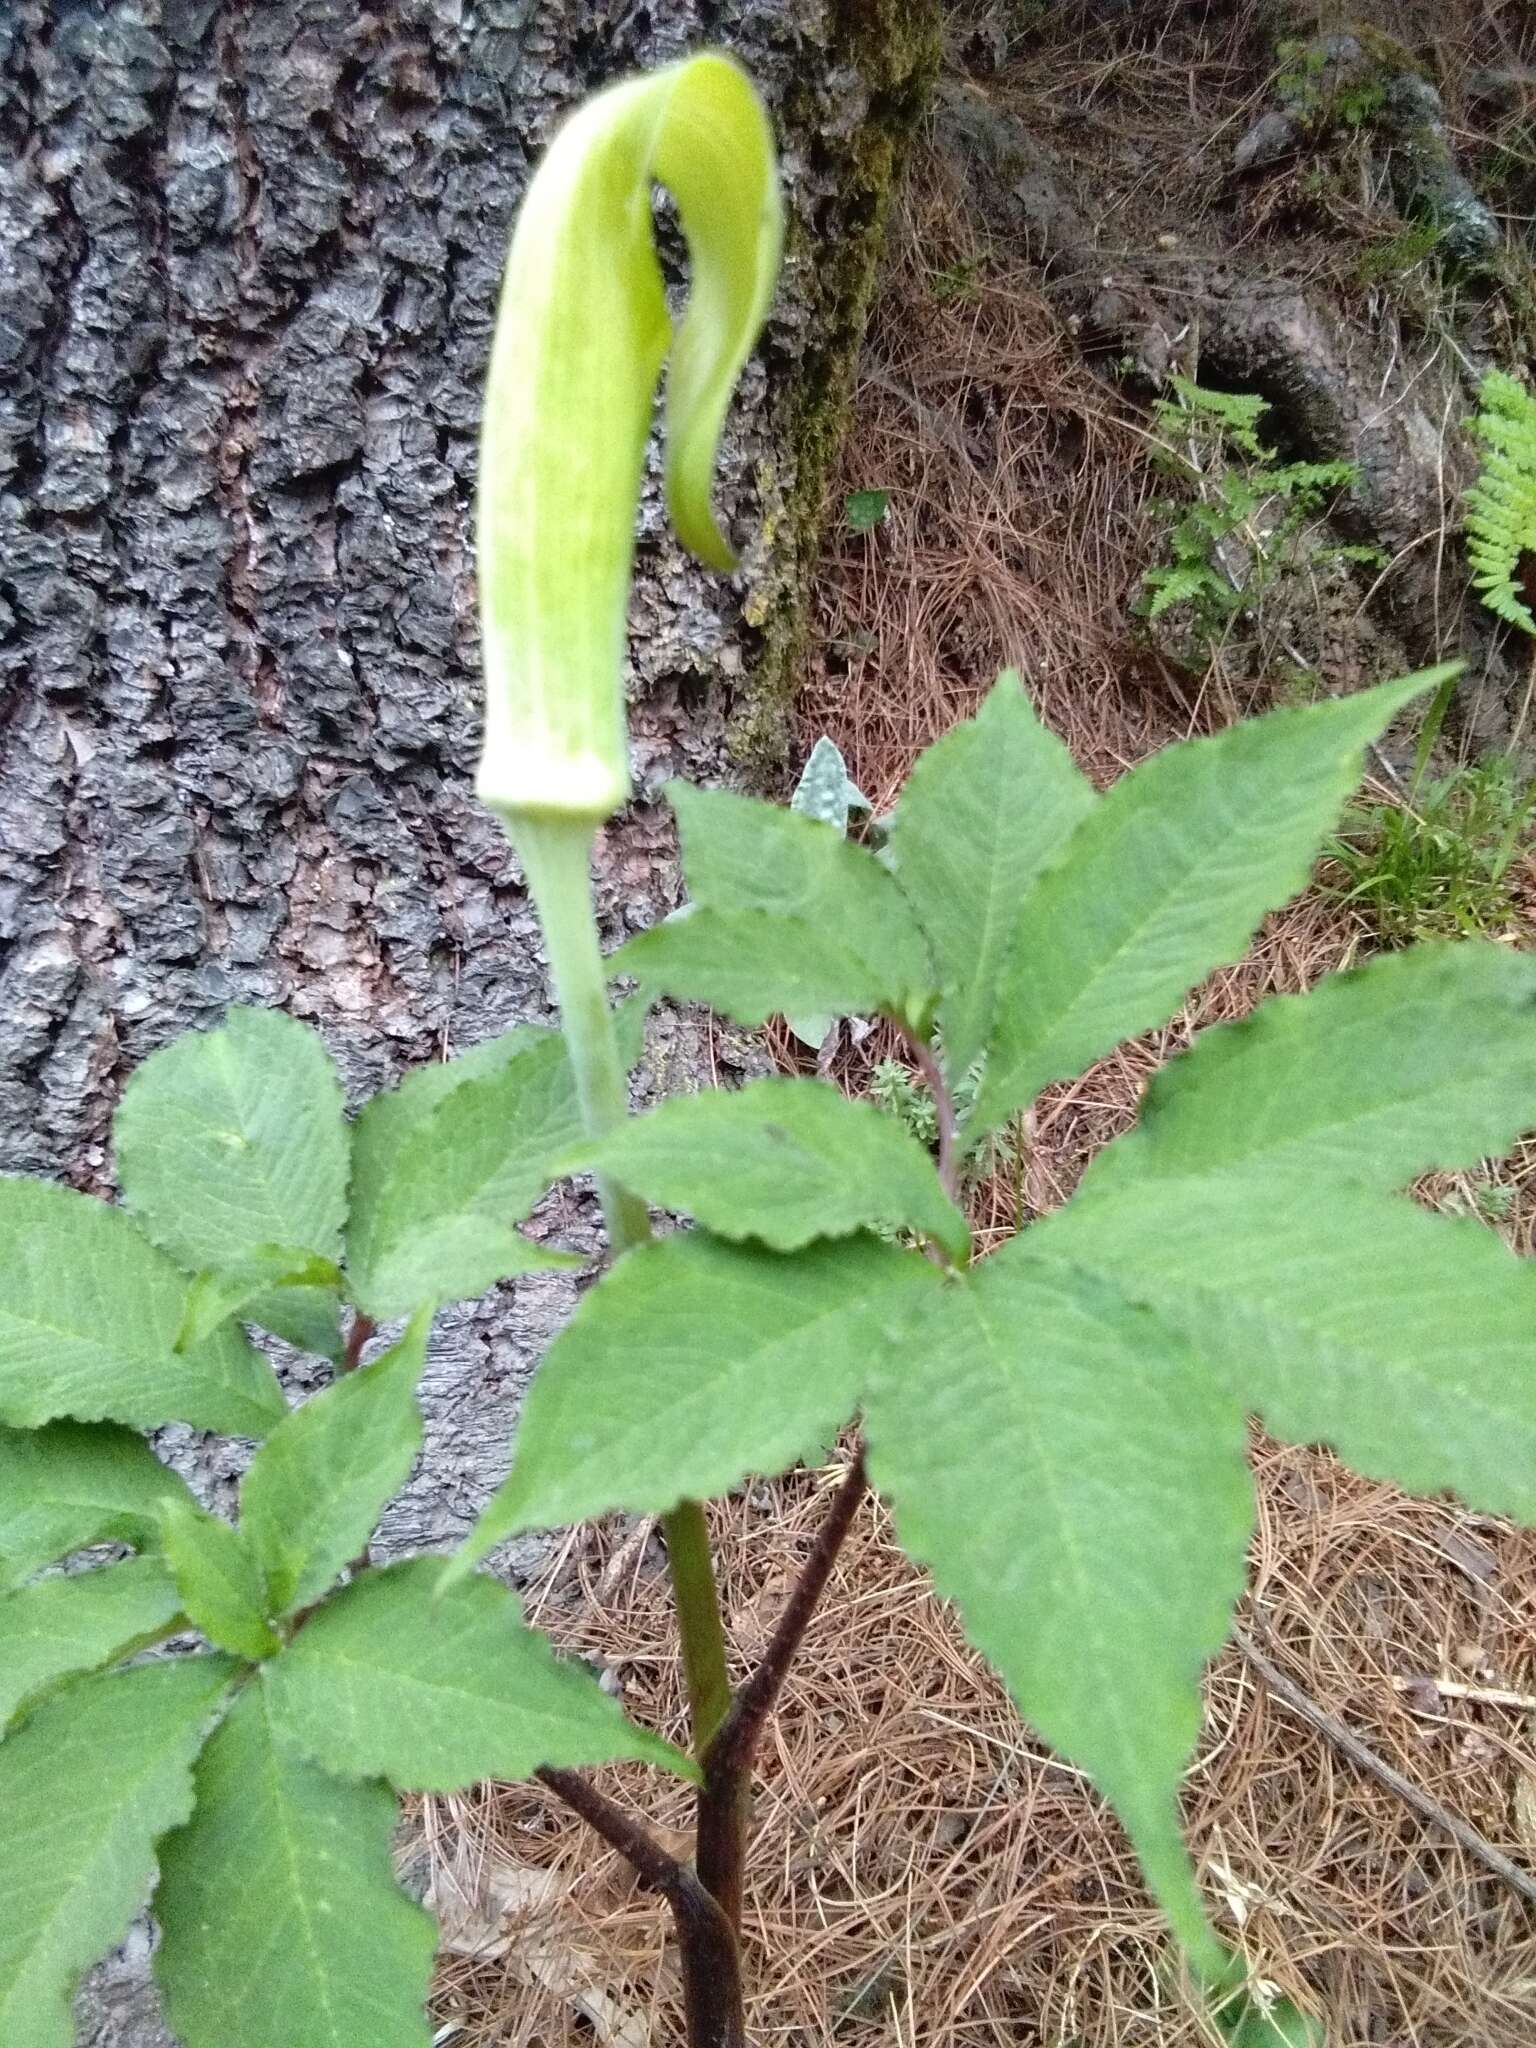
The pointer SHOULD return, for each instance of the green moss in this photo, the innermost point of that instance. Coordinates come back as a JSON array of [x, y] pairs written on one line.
[[1357, 78], [1328, 84], [1322, 84], [893, 45]]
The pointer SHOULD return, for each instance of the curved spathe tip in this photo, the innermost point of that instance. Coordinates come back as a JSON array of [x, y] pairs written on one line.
[[581, 335]]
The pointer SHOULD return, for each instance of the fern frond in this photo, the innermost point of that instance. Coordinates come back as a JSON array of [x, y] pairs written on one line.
[[1501, 505], [1307, 479], [1236, 414], [1168, 587]]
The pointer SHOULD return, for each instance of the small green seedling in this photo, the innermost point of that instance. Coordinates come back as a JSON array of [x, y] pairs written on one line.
[[827, 792], [1246, 519], [1441, 863], [864, 510], [1059, 1429]]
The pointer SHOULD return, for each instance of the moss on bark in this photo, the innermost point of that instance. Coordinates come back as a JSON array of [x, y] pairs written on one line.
[[892, 48]]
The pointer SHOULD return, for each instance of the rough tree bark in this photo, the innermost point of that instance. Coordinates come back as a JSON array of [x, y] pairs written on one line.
[[248, 257]]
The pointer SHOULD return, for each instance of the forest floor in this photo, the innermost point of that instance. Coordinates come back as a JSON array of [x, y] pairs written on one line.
[[925, 1873]]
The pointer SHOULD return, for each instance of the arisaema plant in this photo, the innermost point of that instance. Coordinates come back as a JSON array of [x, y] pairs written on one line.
[[216, 1717]]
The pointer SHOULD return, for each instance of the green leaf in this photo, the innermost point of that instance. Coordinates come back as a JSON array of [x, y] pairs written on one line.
[[316, 1488], [280, 1916], [71, 1484], [216, 1297], [692, 1363], [89, 1317], [1169, 587], [308, 1318], [219, 1580], [67, 1624], [1074, 1477], [827, 915], [234, 1156], [233, 1139], [1425, 1058], [864, 510], [1405, 1340], [985, 812], [87, 1786], [742, 854], [811, 1031], [1259, 2018], [825, 790], [437, 1689], [752, 965], [1167, 878], [447, 1162], [782, 1161]]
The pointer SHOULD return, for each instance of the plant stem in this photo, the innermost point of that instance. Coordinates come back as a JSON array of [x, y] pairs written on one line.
[[557, 858], [651, 1863], [362, 1329], [943, 1111], [711, 1962], [700, 1626], [724, 1798]]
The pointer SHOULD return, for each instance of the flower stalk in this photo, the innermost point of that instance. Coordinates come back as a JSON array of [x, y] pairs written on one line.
[[582, 333], [556, 856]]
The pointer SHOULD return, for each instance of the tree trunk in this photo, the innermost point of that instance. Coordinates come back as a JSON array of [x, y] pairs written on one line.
[[249, 251]]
